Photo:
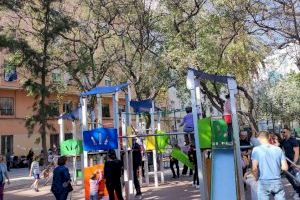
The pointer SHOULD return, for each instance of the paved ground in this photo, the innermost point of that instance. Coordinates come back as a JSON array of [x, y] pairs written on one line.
[[173, 189]]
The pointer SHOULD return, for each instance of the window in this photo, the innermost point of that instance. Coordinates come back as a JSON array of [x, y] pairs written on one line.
[[54, 140], [122, 108], [67, 107], [105, 110], [53, 109], [6, 106], [7, 144], [56, 77], [68, 136], [10, 72], [107, 82]]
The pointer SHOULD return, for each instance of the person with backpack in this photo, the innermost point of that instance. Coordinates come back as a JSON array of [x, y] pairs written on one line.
[[3, 176]]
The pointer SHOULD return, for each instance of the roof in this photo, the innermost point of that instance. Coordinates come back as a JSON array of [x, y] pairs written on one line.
[[203, 75], [104, 90]]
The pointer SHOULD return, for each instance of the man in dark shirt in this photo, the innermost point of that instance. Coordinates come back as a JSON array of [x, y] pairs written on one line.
[[112, 174], [136, 164], [291, 148]]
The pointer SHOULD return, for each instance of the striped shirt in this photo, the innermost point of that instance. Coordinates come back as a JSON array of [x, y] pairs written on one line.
[[94, 186], [35, 166]]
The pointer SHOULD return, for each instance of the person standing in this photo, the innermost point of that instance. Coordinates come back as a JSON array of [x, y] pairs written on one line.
[[186, 149], [112, 174], [30, 158], [188, 125], [291, 148], [136, 164], [227, 117], [8, 159], [3, 175], [174, 161], [61, 184], [267, 162]]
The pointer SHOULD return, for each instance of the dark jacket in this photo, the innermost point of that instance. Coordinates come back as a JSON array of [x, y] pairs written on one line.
[[60, 175], [136, 156], [113, 171]]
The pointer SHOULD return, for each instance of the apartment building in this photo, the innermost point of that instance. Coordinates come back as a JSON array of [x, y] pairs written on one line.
[[16, 106]]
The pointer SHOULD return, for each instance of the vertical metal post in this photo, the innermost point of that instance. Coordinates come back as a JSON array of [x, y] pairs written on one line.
[[84, 127], [99, 113], [116, 119], [126, 164], [74, 132], [232, 86], [129, 153], [61, 130], [161, 163], [154, 151], [192, 87]]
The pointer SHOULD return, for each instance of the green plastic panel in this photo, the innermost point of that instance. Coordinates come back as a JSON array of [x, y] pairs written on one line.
[[182, 157], [219, 130], [71, 147], [204, 128]]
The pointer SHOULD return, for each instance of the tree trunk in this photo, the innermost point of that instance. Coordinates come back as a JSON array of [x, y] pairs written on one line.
[[43, 113]]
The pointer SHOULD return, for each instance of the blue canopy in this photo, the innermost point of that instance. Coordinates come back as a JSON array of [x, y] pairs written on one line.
[[104, 90], [142, 106], [75, 114]]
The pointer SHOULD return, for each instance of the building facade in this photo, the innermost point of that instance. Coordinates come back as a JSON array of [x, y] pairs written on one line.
[[16, 105]]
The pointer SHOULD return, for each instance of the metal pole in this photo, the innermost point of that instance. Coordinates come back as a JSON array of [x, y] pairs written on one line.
[[191, 86], [232, 92], [75, 157], [84, 156], [126, 164], [116, 119], [161, 164], [154, 151], [129, 155], [61, 130], [99, 113]]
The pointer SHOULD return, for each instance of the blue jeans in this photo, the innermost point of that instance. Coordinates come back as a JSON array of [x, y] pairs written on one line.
[[94, 197], [266, 188]]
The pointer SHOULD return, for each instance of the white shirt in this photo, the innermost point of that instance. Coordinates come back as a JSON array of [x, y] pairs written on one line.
[[35, 166]]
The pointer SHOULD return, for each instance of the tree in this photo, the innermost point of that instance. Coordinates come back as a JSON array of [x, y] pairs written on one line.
[[87, 46], [31, 35], [216, 39], [139, 48], [283, 96], [278, 21]]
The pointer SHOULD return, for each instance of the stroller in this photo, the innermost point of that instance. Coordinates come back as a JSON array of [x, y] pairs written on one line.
[[294, 173]]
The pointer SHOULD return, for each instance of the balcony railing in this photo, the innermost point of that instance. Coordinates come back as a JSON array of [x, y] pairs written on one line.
[[6, 111]]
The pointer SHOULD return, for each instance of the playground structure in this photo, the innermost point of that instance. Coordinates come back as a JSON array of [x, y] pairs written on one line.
[[222, 151]]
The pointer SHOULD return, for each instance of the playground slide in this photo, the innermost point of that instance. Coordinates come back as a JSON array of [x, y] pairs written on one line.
[[223, 182]]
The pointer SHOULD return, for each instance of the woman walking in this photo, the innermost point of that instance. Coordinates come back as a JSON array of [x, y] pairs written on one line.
[[35, 172], [61, 184], [3, 175]]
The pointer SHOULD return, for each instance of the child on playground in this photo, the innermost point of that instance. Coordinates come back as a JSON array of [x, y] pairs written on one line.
[[193, 159], [251, 185], [35, 172], [94, 184], [48, 173], [188, 125]]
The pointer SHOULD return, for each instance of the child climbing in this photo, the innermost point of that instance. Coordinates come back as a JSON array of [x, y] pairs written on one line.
[[188, 126]]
